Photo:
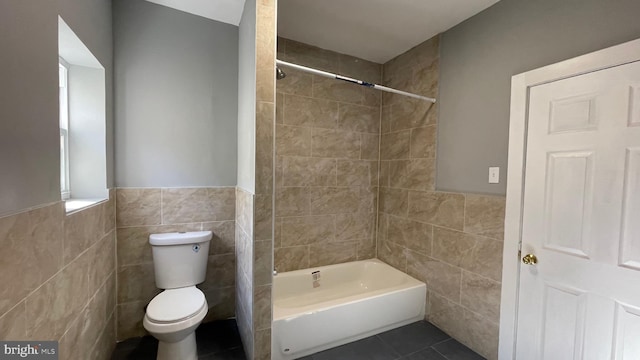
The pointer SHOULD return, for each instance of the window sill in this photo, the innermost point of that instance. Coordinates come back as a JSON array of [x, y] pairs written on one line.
[[74, 205]]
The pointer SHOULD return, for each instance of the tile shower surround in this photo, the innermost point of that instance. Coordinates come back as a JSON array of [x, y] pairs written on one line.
[[58, 278], [144, 211], [329, 173], [451, 241], [327, 136]]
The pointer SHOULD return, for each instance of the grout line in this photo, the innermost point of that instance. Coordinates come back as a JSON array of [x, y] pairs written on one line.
[[175, 224], [479, 275], [442, 341], [61, 270], [337, 128], [173, 187], [436, 350], [272, 202], [29, 209], [73, 322], [111, 317], [89, 301], [379, 172], [484, 317], [337, 102]]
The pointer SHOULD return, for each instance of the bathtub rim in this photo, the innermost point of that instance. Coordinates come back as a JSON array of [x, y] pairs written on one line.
[[284, 313]]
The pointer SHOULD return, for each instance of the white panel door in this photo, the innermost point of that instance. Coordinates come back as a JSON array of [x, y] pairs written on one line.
[[581, 219]]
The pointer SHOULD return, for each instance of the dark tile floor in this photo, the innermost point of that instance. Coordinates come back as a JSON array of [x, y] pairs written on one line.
[[220, 340], [417, 341]]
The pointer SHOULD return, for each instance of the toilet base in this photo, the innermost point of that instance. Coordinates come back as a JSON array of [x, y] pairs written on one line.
[[184, 349]]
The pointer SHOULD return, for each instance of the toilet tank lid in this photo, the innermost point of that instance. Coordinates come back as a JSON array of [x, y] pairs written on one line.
[[180, 238]]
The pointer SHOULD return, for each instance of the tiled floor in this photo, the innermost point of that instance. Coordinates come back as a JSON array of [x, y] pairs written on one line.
[[220, 340], [417, 341], [217, 340]]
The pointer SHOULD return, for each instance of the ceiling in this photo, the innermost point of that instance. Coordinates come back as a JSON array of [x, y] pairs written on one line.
[[226, 11], [375, 30]]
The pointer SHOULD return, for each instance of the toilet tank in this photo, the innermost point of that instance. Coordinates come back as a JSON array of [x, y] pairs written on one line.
[[180, 259]]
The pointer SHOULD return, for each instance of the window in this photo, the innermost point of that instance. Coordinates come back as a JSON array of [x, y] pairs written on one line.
[[63, 71], [82, 96]]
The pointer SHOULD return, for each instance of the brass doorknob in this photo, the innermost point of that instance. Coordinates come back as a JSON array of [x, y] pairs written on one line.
[[530, 259]]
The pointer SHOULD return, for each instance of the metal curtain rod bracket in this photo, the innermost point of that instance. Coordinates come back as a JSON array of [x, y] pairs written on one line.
[[351, 80]]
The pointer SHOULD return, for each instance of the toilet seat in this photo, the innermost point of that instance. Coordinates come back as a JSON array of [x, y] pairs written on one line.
[[175, 305]]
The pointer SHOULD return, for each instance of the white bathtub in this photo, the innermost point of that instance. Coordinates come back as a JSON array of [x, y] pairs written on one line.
[[354, 300]]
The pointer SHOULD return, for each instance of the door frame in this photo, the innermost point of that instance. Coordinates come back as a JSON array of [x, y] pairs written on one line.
[[520, 85]]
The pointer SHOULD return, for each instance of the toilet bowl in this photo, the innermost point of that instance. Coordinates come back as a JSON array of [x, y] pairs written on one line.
[[172, 317], [180, 262]]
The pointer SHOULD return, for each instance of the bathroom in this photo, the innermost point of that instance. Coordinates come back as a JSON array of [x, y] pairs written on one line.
[[198, 135]]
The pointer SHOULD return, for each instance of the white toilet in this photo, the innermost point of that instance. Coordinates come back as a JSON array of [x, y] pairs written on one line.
[[179, 262]]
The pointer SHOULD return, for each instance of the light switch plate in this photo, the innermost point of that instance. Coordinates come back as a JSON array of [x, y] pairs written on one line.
[[494, 175]]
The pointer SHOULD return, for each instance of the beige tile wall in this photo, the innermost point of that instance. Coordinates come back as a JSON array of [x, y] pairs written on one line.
[[327, 135], [263, 200], [58, 278], [144, 211], [451, 241], [244, 268], [254, 256]]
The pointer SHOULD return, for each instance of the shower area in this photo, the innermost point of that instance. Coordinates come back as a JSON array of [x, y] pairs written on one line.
[[347, 156], [327, 149], [355, 180]]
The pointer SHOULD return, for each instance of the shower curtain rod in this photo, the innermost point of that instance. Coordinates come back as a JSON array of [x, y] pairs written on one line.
[[351, 80]]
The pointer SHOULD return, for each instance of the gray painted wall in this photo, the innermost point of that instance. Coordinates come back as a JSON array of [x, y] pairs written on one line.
[[29, 128], [247, 98], [478, 58], [176, 89]]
